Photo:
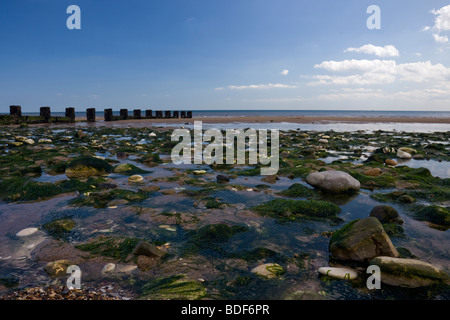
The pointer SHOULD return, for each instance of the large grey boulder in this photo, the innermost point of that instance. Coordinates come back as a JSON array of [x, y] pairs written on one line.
[[409, 273], [333, 181], [361, 240]]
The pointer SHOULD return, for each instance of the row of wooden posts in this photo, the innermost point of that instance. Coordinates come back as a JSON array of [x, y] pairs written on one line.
[[45, 113]]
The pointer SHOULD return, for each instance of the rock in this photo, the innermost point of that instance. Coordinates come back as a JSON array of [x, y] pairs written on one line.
[[135, 178], [390, 162], [361, 240], [28, 141], [323, 140], [406, 199], [386, 214], [123, 167], [26, 232], [411, 151], [152, 134], [269, 270], [340, 273], [325, 137], [151, 188], [85, 167], [109, 268], [143, 248], [80, 134], [409, 273], [374, 172], [222, 178], [403, 155], [418, 157], [333, 181], [388, 150], [270, 178], [44, 141], [20, 138], [198, 172], [145, 263], [308, 153], [168, 192], [57, 268], [107, 185]]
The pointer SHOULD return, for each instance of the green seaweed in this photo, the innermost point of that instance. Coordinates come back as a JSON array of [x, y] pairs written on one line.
[[299, 209], [118, 248], [175, 287], [298, 190], [60, 228]]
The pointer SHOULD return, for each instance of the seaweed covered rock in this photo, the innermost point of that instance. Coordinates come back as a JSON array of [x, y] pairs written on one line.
[[59, 228], [127, 168], [298, 190], [333, 181], [176, 287], [386, 214], [299, 209], [85, 167], [435, 214], [410, 273], [361, 240]]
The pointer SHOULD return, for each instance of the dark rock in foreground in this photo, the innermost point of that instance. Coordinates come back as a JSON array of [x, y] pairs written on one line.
[[361, 240]]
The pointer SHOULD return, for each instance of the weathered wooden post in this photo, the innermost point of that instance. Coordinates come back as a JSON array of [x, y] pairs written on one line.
[[183, 114], [70, 113], [176, 114], [45, 113], [123, 114], [149, 114], [159, 114], [90, 115], [15, 111], [137, 114], [189, 114], [108, 115], [167, 114]]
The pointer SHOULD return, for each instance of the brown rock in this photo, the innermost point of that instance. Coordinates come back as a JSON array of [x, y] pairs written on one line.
[[390, 162], [374, 172]]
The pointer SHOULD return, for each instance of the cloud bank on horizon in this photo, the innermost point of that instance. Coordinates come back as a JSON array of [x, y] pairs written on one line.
[[233, 55]]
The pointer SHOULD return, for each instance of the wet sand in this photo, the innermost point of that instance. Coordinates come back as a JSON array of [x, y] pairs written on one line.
[[294, 119]]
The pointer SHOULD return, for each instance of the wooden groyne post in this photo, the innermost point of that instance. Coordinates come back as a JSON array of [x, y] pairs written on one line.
[[45, 113], [70, 113], [108, 115], [137, 114], [90, 115], [123, 114]]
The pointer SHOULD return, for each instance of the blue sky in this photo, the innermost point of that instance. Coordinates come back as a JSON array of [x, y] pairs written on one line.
[[224, 55]]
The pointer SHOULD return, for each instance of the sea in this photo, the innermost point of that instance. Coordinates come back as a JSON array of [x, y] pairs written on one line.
[[278, 113]]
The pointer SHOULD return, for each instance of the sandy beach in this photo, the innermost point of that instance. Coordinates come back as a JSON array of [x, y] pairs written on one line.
[[295, 119]]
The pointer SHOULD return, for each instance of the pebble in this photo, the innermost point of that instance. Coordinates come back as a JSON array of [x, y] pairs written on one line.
[[26, 232], [135, 178], [108, 268]]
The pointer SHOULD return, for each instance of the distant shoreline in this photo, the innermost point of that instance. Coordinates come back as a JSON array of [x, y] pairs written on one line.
[[278, 119]]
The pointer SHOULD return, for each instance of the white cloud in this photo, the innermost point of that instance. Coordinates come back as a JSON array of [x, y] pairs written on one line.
[[442, 21], [386, 51], [357, 65], [440, 39], [284, 72], [370, 72], [261, 86]]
